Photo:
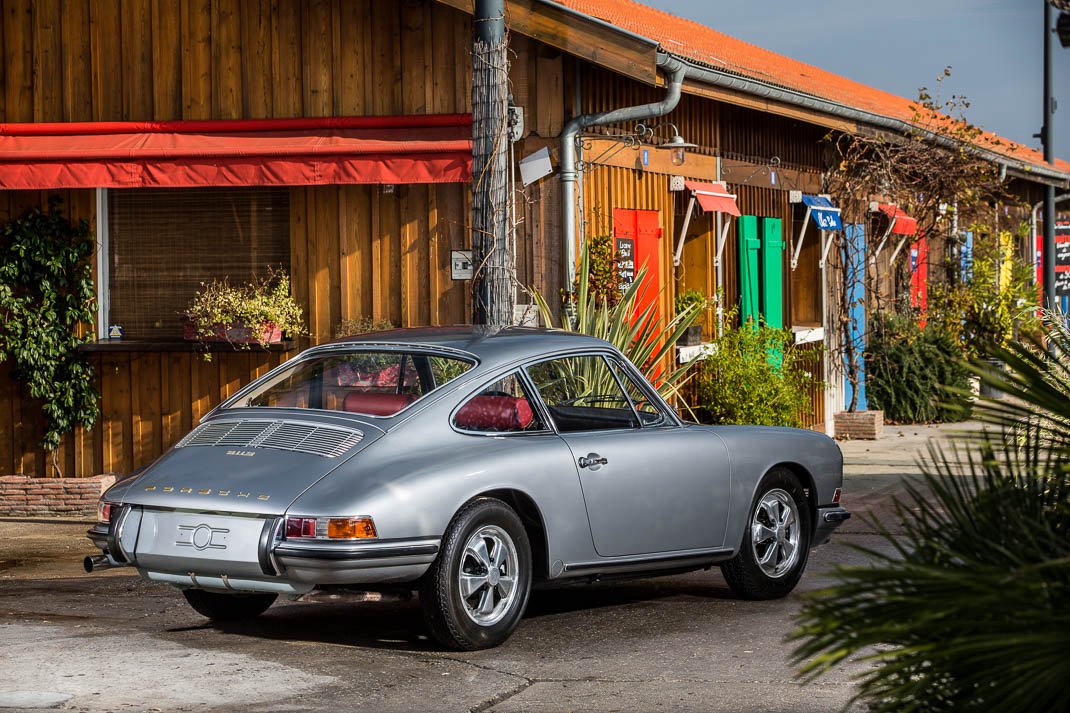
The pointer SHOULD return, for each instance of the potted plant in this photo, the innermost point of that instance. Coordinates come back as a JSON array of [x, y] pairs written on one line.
[[684, 300], [258, 312]]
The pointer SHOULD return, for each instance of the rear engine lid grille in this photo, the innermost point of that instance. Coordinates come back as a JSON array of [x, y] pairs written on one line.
[[316, 439]]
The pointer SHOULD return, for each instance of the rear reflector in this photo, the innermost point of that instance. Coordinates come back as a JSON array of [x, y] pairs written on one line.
[[836, 497], [350, 528]]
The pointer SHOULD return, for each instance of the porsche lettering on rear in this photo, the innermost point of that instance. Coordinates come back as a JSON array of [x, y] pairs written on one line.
[[465, 464]]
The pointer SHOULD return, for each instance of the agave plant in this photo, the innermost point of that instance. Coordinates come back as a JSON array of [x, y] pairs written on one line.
[[636, 331], [969, 609]]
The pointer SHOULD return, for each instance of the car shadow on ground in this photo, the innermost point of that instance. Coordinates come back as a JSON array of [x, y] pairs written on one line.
[[398, 624]]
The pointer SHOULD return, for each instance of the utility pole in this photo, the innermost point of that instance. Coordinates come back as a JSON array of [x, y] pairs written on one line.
[[1046, 140], [492, 284]]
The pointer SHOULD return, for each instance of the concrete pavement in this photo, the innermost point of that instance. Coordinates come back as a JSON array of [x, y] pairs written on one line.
[[684, 643]]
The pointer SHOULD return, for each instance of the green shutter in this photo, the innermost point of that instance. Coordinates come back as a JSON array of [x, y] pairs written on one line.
[[772, 279], [749, 245]]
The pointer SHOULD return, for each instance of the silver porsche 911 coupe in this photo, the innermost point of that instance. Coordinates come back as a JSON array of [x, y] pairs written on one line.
[[467, 465]]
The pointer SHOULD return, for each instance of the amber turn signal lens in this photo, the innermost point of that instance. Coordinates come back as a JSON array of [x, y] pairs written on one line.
[[351, 528]]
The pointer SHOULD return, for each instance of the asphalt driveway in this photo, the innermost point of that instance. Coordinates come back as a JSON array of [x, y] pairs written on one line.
[[684, 643]]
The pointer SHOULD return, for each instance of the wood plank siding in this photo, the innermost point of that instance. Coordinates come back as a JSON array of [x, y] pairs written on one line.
[[358, 250]]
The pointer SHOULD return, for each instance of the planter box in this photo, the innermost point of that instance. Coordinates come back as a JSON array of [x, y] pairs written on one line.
[[234, 334], [859, 425]]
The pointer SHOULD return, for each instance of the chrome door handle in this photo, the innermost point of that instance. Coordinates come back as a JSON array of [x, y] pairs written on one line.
[[592, 459]]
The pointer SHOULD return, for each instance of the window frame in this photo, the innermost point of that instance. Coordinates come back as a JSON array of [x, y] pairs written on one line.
[[672, 421], [103, 265], [535, 400]]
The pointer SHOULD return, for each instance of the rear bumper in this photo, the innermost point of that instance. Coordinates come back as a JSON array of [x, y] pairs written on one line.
[[282, 566], [828, 519]]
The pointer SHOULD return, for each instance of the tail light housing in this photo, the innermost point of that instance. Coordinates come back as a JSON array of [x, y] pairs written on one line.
[[105, 510], [330, 528]]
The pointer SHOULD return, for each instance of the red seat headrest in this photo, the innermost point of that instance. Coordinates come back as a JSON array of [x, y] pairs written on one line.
[[376, 404], [495, 413]]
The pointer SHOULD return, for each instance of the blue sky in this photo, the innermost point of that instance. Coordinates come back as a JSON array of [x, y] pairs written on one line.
[[993, 47]]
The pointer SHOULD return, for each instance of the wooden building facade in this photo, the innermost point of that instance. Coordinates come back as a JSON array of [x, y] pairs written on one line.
[[372, 249]]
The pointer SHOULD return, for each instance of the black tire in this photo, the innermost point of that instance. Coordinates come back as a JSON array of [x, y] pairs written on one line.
[[445, 610], [220, 606], [744, 574]]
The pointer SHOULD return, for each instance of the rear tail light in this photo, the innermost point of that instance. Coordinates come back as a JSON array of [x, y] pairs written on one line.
[[104, 511], [334, 528], [300, 527], [836, 497]]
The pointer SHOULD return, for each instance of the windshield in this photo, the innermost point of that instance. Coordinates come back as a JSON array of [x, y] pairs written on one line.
[[373, 383]]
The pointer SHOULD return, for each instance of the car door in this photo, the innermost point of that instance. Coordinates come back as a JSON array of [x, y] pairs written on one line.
[[650, 484]]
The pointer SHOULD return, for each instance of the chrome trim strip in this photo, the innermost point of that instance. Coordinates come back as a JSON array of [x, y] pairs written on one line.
[[356, 553]]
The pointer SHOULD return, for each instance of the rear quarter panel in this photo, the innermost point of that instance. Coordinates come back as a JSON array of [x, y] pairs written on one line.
[[754, 450]]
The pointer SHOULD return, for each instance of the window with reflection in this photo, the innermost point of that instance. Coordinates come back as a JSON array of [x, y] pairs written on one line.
[[502, 407], [582, 394], [373, 383]]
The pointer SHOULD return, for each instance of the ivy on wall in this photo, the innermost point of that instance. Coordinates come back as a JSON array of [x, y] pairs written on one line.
[[46, 292]]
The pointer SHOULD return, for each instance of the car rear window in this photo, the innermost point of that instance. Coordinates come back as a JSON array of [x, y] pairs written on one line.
[[371, 383]]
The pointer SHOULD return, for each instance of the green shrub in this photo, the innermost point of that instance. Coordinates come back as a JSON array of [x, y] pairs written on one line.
[[754, 375], [965, 605], [910, 369]]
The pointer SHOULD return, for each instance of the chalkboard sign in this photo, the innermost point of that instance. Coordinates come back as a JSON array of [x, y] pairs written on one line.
[[625, 261], [1062, 257], [1062, 283]]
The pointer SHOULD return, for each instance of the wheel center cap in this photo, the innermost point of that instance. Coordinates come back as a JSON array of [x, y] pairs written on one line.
[[493, 576]]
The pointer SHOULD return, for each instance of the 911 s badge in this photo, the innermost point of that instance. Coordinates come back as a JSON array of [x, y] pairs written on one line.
[[202, 537]]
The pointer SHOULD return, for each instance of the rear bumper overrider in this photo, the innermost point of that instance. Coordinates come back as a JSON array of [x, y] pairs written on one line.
[[828, 519]]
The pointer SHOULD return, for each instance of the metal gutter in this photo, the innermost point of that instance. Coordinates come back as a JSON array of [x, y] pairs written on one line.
[[571, 133], [765, 90]]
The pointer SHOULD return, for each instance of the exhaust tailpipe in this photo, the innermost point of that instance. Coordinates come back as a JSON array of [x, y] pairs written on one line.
[[98, 563]]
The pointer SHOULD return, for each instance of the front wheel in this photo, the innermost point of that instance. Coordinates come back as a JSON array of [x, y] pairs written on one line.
[[475, 593], [220, 606], [776, 544]]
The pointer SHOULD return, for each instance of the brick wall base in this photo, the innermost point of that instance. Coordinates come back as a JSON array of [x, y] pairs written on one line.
[[859, 425], [22, 495]]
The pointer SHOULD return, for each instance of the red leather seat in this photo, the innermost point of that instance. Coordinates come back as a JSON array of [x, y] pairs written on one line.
[[495, 413], [376, 404]]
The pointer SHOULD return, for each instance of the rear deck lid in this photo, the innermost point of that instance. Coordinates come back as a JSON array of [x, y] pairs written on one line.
[[247, 465]]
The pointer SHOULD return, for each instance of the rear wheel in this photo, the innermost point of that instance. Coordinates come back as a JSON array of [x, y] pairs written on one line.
[[475, 593], [219, 606], [776, 544]]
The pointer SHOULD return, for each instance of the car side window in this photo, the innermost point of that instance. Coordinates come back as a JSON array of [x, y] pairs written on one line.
[[582, 394], [502, 407], [650, 414]]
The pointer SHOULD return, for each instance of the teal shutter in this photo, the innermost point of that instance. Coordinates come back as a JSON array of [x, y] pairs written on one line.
[[772, 278], [749, 245]]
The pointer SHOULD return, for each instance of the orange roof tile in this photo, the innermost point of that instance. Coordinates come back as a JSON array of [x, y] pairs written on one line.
[[694, 41]]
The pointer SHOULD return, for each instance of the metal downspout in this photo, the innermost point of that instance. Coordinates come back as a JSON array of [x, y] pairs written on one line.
[[570, 135]]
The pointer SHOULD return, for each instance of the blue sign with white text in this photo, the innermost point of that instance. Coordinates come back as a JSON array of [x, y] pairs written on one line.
[[823, 213]]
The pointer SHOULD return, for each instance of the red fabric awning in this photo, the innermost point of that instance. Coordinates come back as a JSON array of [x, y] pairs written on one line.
[[272, 152], [713, 197], [904, 224]]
